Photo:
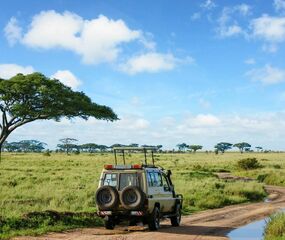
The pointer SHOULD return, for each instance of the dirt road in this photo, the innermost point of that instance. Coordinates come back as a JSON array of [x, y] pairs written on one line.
[[207, 225]]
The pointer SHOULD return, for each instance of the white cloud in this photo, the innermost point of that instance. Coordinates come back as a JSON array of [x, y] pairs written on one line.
[[279, 5], [97, 40], [270, 29], [267, 75], [67, 78], [151, 62], [208, 4], [228, 31], [250, 61], [12, 31], [243, 9], [204, 120], [228, 26], [9, 70]]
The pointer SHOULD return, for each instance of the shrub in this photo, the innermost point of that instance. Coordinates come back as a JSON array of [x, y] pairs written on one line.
[[262, 177], [276, 166], [248, 163]]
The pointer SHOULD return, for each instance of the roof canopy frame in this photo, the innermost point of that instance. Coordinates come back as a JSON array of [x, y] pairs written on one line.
[[142, 149]]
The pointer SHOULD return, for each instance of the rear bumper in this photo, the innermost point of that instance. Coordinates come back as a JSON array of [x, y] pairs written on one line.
[[125, 213]]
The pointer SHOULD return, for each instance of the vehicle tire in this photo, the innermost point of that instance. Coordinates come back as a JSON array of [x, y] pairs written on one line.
[[154, 219], [175, 220], [110, 223], [132, 198], [107, 198]]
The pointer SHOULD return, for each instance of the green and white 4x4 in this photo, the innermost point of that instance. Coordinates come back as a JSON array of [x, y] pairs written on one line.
[[138, 192]]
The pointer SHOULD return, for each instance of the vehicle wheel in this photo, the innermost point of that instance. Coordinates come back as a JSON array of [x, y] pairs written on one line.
[[109, 224], [107, 198], [175, 220], [132, 198], [154, 220]]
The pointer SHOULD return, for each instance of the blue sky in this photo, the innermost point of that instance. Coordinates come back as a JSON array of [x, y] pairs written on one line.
[[195, 71]]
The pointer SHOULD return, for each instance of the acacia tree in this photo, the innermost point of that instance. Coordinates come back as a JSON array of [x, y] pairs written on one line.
[[27, 98], [223, 146], [258, 148], [182, 146], [195, 147], [67, 144], [89, 147], [242, 146]]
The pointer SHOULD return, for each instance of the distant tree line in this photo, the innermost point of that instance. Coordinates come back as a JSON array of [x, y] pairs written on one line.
[[24, 146], [220, 147], [183, 147], [69, 145]]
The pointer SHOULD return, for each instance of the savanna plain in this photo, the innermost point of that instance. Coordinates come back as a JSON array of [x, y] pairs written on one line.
[[39, 193]]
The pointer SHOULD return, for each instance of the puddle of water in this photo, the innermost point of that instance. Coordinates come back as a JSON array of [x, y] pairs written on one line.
[[252, 231]]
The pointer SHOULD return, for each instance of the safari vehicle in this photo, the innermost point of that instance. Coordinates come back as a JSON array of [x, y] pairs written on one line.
[[137, 193]]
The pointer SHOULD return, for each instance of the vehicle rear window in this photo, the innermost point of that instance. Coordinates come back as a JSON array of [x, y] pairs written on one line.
[[110, 179], [128, 179]]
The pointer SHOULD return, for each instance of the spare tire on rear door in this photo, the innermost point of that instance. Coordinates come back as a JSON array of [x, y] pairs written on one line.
[[132, 198], [107, 198]]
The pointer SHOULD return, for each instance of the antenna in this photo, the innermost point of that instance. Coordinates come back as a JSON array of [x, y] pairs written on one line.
[[124, 157], [115, 152], [152, 157], [145, 156]]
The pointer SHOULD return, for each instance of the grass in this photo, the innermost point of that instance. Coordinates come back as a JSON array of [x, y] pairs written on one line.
[[275, 228], [66, 184]]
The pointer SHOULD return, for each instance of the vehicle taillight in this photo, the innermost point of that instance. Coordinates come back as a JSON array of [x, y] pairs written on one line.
[[137, 166], [108, 167]]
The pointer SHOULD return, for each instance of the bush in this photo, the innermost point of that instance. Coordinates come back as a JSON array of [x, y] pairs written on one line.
[[262, 177], [276, 166], [248, 163]]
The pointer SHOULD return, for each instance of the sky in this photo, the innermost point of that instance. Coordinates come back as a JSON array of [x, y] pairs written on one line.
[[198, 72]]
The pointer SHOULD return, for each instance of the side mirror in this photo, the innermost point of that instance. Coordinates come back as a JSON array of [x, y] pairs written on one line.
[[169, 173]]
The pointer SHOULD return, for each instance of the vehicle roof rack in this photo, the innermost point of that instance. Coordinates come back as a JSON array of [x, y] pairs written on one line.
[[143, 149], [135, 148]]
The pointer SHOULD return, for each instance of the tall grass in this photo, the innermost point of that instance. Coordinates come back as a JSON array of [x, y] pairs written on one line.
[[275, 228]]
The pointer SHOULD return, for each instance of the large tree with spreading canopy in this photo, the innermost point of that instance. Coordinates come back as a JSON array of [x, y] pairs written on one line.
[[27, 98]]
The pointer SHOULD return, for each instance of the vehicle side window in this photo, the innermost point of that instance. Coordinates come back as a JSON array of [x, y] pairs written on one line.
[[110, 179], [159, 179], [154, 179], [165, 181], [149, 179]]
